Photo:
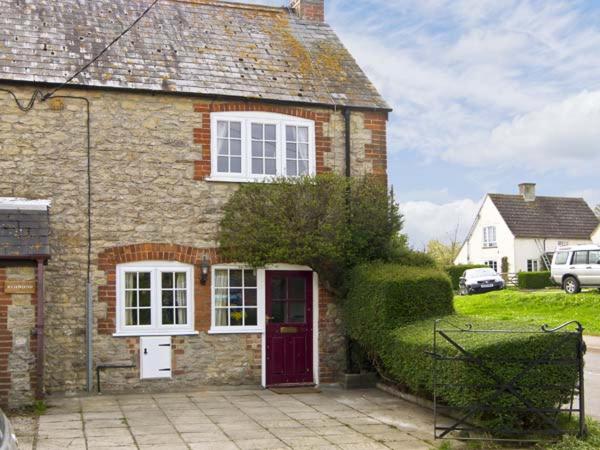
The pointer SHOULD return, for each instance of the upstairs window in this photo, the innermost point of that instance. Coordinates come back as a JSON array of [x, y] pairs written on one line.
[[249, 146], [489, 237]]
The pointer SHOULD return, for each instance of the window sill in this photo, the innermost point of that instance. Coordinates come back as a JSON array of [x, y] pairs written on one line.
[[154, 333], [255, 330], [489, 246]]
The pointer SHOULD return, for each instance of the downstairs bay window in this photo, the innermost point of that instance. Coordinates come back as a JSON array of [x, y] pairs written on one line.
[[155, 298], [255, 146]]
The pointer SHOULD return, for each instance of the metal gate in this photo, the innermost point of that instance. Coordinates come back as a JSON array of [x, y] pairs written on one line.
[[504, 380]]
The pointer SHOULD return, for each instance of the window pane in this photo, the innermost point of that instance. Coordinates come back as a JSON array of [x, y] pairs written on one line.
[[303, 151], [270, 167], [594, 257], [221, 297], [180, 280], [223, 164], [235, 130], [181, 316], [249, 278], [257, 148], [130, 298], [257, 131], [221, 319], [279, 288], [222, 129], [237, 317], [291, 151], [290, 133], [144, 280], [235, 297], [235, 147], [250, 297], [167, 298], [144, 298], [167, 280], [297, 289], [131, 316], [302, 167], [236, 165], [292, 170], [270, 149], [251, 317], [235, 278], [222, 147], [580, 258], [278, 312], [257, 166], [180, 298], [167, 317], [221, 278], [296, 312], [144, 317], [303, 134], [270, 132], [130, 280]]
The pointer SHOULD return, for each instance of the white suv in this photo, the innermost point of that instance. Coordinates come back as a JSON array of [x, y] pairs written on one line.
[[576, 266]]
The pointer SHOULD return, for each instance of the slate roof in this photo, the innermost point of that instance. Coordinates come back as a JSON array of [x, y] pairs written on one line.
[[24, 233], [546, 217], [195, 46]]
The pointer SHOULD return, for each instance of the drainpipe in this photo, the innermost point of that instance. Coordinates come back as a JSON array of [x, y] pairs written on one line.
[[39, 331], [348, 143]]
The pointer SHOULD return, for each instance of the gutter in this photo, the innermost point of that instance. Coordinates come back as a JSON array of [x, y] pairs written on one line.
[[348, 140]]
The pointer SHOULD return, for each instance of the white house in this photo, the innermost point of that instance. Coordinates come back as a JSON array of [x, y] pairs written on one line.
[[526, 229]]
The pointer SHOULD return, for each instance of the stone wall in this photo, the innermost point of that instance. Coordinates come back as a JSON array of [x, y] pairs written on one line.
[[17, 340], [146, 188]]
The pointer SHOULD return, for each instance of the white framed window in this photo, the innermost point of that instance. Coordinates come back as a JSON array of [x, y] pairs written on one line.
[[256, 146], [235, 300], [155, 298], [492, 264], [489, 237], [533, 265]]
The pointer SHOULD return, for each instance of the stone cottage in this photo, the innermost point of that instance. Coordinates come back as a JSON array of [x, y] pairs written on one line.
[[111, 189]]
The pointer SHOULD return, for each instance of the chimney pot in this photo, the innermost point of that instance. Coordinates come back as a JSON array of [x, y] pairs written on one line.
[[309, 9], [527, 190]]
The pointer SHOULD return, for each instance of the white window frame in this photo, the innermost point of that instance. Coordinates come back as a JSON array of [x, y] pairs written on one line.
[[247, 118], [492, 264], [156, 268], [487, 241], [260, 301], [533, 265]]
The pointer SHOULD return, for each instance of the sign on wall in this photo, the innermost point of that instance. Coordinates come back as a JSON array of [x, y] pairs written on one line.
[[19, 287]]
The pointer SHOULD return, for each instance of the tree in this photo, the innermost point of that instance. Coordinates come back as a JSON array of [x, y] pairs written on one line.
[[329, 223], [444, 253]]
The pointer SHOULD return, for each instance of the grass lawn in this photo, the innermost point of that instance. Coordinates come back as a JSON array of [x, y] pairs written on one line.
[[552, 307]]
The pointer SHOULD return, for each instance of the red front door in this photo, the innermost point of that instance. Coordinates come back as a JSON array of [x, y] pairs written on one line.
[[289, 299]]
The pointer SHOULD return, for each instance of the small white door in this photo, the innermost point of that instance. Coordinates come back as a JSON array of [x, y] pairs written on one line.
[[155, 357]]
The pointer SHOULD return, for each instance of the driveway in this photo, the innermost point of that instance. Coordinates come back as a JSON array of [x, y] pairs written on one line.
[[231, 419], [592, 377]]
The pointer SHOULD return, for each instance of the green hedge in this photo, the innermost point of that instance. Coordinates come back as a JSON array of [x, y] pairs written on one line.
[[404, 358], [382, 297], [455, 272], [534, 280]]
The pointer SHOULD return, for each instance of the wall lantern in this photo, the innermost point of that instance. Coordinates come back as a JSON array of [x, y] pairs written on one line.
[[204, 267]]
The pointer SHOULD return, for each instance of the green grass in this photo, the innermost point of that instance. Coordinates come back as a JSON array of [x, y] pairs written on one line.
[[552, 307]]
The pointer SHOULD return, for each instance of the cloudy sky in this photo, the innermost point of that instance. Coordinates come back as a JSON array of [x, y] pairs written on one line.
[[486, 94]]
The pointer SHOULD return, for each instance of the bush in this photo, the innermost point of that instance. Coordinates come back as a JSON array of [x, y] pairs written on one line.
[[382, 297], [455, 272], [534, 280], [404, 358]]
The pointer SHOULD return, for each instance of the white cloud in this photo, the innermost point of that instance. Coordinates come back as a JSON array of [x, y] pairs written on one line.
[[563, 135], [424, 220]]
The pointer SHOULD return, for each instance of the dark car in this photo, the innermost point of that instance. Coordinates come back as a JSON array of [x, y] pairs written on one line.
[[480, 280]]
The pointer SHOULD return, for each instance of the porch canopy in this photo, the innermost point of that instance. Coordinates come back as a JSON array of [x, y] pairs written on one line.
[[24, 229]]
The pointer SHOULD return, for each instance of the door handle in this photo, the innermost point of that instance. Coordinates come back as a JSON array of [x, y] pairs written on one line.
[[268, 318], [145, 351]]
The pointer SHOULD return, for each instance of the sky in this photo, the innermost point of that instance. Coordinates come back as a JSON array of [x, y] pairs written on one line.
[[486, 94]]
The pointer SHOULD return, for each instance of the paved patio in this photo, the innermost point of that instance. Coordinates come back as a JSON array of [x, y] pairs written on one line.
[[231, 419]]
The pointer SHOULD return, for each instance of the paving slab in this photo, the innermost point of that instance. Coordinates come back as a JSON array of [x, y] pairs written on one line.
[[223, 419]]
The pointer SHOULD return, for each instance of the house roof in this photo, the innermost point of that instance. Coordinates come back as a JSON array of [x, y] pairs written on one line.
[[546, 217], [195, 46], [24, 229]]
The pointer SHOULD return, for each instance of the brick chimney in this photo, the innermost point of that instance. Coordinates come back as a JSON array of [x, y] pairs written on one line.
[[527, 190], [309, 9]]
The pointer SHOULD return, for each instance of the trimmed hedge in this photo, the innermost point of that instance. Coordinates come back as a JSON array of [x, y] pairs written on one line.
[[390, 310], [382, 297], [534, 280], [455, 272], [404, 358]]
